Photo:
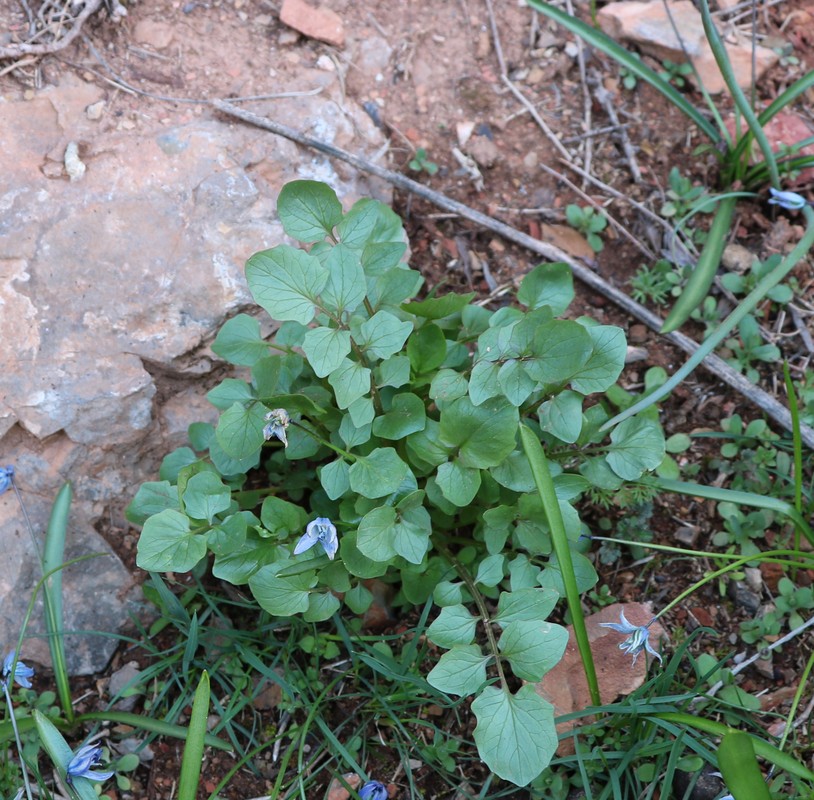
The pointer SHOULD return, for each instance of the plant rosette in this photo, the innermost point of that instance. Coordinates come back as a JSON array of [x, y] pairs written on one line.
[[377, 436]]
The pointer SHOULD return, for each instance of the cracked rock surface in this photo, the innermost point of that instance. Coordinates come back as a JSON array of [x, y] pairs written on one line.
[[114, 279]]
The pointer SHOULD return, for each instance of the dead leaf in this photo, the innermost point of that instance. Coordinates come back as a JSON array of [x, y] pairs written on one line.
[[565, 686]]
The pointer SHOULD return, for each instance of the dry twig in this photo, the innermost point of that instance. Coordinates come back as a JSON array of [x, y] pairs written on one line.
[[717, 366]]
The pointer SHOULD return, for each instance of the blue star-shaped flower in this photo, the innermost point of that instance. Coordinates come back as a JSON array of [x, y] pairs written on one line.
[[277, 422], [320, 530], [83, 759], [373, 790], [6, 478], [791, 201], [638, 636], [22, 672]]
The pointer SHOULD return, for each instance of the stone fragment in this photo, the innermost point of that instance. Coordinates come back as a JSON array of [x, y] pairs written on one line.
[[316, 23], [154, 33], [110, 291], [484, 151], [95, 110], [744, 597], [125, 679], [648, 25]]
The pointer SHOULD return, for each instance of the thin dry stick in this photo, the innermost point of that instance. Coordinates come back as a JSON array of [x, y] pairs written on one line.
[[27, 49], [715, 365], [604, 98], [587, 103], [643, 210], [762, 653]]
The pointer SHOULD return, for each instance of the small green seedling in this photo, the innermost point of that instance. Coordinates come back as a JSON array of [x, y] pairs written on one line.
[[421, 163], [675, 73], [589, 222]]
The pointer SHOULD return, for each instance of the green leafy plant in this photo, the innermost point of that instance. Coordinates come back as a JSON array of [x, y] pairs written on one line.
[[750, 347], [421, 162], [589, 222], [676, 73], [379, 436], [655, 284], [682, 195]]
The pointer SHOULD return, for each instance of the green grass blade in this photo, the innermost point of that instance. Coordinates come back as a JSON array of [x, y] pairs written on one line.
[[545, 486], [725, 65], [152, 725], [52, 562], [194, 747], [700, 281], [604, 43], [746, 306], [762, 749], [797, 443], [742, 775], [740, 498]]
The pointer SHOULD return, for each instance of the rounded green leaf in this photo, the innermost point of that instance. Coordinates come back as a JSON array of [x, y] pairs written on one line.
[[549, 285], [515, 735], [406, 416], [240, 430], [346, 285], [454, 625], [533, 648], [350, 381], [325, 349], [167, 544], [637, 445], [460, 671], [239, 341], [206, 495], [378, 474], [457, 483], [308, 210], [321, 606], [374, 538], [282, 597], [286, 282], [484, 434], [606, 362]]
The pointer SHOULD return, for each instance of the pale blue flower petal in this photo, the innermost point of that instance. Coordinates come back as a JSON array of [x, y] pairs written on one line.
[[791, 201], [83, 759], [638, 636], [22, 672], [373, 790], [6, 478]]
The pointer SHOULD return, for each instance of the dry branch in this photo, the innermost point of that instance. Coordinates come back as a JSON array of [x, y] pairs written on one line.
[[717, 366]]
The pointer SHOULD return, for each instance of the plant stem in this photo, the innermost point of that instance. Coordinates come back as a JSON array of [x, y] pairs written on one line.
[[316, 437], [482, 610], [551, 506], [10, 706]]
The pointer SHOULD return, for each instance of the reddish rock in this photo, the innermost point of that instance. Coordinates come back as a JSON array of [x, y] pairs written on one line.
[[649, 27], [315, 23]]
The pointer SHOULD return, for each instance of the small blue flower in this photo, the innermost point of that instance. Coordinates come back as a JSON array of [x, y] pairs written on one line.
[[22, 672], [278, 420], [80, 765], [373, 790], [638, 636], [321, 530], [6, 477], [791, 201]]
